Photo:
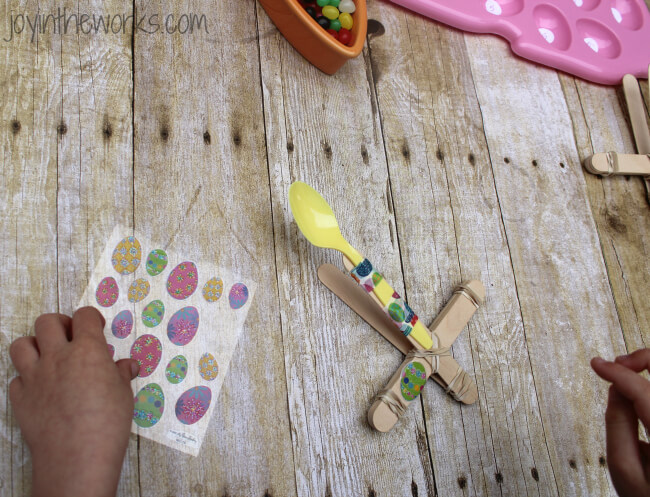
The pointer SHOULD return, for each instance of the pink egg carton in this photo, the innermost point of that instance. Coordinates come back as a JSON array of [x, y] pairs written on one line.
[[598, 40]]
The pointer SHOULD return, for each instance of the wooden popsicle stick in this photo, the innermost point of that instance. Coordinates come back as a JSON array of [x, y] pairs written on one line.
[[636, 109], [371, 311], [614, 164]]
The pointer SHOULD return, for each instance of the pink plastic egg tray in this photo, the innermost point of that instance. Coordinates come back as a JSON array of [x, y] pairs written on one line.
[[598, 40]]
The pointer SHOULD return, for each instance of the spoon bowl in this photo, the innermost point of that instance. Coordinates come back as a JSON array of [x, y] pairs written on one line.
[[317, 221]]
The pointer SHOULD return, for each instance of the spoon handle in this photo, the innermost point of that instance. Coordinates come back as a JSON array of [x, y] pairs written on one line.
[[394, 306]]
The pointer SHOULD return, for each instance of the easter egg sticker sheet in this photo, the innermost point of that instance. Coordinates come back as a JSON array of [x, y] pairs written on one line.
[[164, 309]]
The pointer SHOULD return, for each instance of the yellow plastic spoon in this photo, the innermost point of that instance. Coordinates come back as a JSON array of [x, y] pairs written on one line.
[[317, 222]]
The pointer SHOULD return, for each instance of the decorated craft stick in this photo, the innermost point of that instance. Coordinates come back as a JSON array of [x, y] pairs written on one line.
[[407, 382], [613, 164]]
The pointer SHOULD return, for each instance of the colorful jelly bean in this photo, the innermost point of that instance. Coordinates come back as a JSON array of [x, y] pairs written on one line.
[[345, 36], [347, 6], [323, 3], [331, 12], [334, 3], [311, 11], [324, 22], [334, 34], [335, 24], [346, 20]]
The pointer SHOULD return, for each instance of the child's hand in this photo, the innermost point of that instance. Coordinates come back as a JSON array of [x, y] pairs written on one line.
[[628, 457], [74, 405]]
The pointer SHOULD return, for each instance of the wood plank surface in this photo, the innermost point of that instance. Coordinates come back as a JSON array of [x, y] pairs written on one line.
[[444, 157]]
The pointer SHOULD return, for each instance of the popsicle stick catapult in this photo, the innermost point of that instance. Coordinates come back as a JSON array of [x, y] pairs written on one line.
[[428, 353], [420, 363], [614, 164]]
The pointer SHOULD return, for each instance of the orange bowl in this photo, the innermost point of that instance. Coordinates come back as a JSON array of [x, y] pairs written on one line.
[[312, 41]]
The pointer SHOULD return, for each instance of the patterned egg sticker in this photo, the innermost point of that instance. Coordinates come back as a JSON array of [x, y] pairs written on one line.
[[183, 280], [176, 369], [122, 324], [126, 256], [413, 379], [183, 325], [153, 313], [156, 262], [107, 292], [238, 295], [208, 367], [193, 404], [149, 405], [213, 289], [111, 350], [396, 312], [138, 290], [147, 350]]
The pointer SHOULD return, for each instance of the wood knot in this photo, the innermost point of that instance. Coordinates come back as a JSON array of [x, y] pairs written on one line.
[[534, 473], [290, 146], [471, 159], [62, 128], [107, 130], [498, 477], [375, 28], [462, 482], [439, 154], [164, 133], [506, 160], [236, 139], [15, 127], [207, 139]]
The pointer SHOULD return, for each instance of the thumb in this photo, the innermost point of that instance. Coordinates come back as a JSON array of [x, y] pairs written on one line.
[[128, 368]]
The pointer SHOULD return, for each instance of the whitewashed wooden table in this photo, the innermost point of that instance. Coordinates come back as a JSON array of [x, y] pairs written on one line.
[[445, 158]]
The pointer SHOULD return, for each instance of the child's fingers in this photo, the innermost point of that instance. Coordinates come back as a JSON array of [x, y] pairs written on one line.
[[24, 353], [88, 321], [623, 455], [631, 385], [51, 331], [636, 361], [129, 368]]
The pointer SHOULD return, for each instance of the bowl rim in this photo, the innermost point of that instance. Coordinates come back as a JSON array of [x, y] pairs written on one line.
[[324, 36]]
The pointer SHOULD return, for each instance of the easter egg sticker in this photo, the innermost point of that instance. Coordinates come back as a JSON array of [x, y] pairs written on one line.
[[156, 262], [208, 367], [122, 324], [213, 289], [111, 350], [153, 313], [126, 256], [396, 312], [149, 405], [183, 280], [183, 325], [147, 350], [176, 370], [138, 290], [193, 404], [238, 296], [107, 292], [413, 379]]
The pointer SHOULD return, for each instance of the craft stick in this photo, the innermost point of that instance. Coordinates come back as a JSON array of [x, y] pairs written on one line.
[[370, 310], [407, 382], [637, 113], [614, 164]]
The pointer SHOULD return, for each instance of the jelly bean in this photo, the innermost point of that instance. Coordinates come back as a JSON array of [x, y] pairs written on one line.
[[335, 24], [346, 20], [311, 11], [347, 6], [324, 22], [345, 36], [334, 3], [333, 33], [330, 12], [322, 3]]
